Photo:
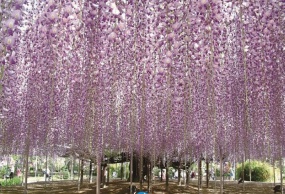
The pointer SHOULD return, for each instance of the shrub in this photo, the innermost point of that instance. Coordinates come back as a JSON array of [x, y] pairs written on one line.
[[260, 171], [217, 174], [3, 171], [156, 171], [11, 182], [117, 168], [61, 175]]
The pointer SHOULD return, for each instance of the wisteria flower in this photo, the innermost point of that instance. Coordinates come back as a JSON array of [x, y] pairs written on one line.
[[51, 3], [16, 14], [68, 9], [9, 41], [112, 36], [10, 23], [53, 30], [53, 15]]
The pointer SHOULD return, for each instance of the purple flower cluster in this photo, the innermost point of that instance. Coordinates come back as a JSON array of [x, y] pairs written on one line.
[[175, 78]]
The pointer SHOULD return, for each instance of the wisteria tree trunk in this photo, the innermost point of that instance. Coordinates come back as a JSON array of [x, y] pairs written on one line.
[[135, 169], [79, 175], [98, 178], [103, 175], [26, 171], [207, 173], [90, 171], [141, 175], [131, 171], [81, 172], [274, 181], [187, 177], [161, 170], [167, 176], [72, 168], [179, 174], [243, 173], [249, 163], [149, 176], [122, 171], [108, 175], [200, 174], [281, 173], [221, 175]]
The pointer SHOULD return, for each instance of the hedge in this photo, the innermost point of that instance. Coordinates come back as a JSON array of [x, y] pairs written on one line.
[[260, 171]]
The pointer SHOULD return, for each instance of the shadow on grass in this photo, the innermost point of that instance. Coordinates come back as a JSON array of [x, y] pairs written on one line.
[[121, 187]]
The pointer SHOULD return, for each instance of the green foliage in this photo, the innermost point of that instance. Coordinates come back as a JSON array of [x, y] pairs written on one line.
[[117, 169], [11, 182], [3, 171], [156, 171], [260, 171], [64, 168], [125, 170], [62, 175], [16, 157], [217, 174], [171, 171], [112, 169]]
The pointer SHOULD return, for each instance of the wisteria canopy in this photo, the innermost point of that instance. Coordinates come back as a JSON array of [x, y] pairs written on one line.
[[175, 78]]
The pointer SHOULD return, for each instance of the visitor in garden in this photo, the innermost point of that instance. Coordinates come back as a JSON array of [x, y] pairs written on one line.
[[47, 174], [114, 174], [212, 174], [192, 175], [163, 175], [231, 174], [11, 175], [19, 172]]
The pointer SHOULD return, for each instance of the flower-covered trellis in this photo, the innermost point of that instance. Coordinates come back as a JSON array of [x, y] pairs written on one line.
[[153, 77]]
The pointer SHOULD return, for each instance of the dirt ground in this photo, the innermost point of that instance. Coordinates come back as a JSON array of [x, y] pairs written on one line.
[[121, 187]]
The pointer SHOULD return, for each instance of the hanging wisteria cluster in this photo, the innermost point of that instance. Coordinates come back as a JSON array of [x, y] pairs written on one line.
[[174, 77]]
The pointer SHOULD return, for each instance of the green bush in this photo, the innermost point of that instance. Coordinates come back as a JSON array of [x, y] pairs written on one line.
[[260, 171], [217, 174], [65, 174], [3, 171], [11, 182], [62, 175], [112, 169], [171, 172], [156, 171], [117, 169]]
